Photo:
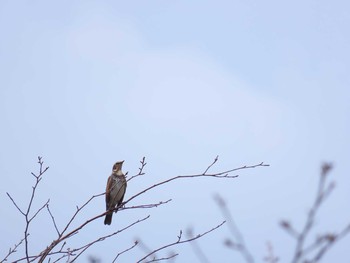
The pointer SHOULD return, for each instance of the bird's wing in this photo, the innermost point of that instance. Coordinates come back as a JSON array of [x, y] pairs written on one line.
[[123, 188], [108, 191]]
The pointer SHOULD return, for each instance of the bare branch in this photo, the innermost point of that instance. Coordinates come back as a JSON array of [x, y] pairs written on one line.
[[53, 219], [66, 254], [124, 251], [66, 233], [323, 242], [323, 191], [270, 258], [289, 229], [163, 258], [144, 206], [26, 215], [62, 237], [331, 239], [224, 174], [78, 210], [215, 160], [38, 211], [196, 248], [85, 247], [12, 250], [179, 241], [239, 243], [13, 201], [143, 246], [143, 164]]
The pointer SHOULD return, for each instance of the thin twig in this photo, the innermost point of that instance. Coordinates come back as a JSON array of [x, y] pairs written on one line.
[[78, 210], [289, 228], [13, 250], [270, 258], [53, 219], [163, 258], [196, 248], [143, 164], [85, 247], [239, 243], [331, 240], [324, 242], [39, 210], [224, 174], [323, 191], [145, 206], [124, 251], [13, 201], [179, 241], [28, 219], [215, 160]]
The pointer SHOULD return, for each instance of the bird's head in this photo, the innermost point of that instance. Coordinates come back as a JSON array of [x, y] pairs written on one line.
[[117, 166]]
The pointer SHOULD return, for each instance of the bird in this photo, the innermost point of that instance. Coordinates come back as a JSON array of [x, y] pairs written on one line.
[[115, 191]]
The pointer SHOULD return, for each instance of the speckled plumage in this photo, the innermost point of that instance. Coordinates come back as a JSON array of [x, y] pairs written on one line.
[[115, 191]]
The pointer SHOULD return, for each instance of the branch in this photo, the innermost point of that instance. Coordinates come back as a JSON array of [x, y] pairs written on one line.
[[66, 233], [13, 201], [28, 219], [85, 247], [179, 241], [39, 210], [71, 252], [12, 250], [143, 164], [63, 235], [163, 258], [323, 191], [324, 242], [239, 243], [78, 210], [197, 250], [224, 174], [53, 220], [145, 206], [289, 229], [331, 239], [270, 258], [124, 251], [215, 160]]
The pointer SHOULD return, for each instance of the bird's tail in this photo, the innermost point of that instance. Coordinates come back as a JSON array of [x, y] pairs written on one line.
[[108, 218]]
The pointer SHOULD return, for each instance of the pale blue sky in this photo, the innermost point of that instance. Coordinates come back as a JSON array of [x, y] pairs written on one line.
[[87, 83]]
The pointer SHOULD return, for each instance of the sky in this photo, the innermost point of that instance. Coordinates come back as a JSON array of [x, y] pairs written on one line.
[[87, 83]]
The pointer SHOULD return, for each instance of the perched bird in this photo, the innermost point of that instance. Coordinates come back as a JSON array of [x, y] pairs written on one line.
[[115, 190]]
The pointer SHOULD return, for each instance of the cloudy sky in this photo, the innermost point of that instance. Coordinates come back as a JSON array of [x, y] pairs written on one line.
[[88, 83]]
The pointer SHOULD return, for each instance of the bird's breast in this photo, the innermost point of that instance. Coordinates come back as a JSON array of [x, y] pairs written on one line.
[[118, 188]]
